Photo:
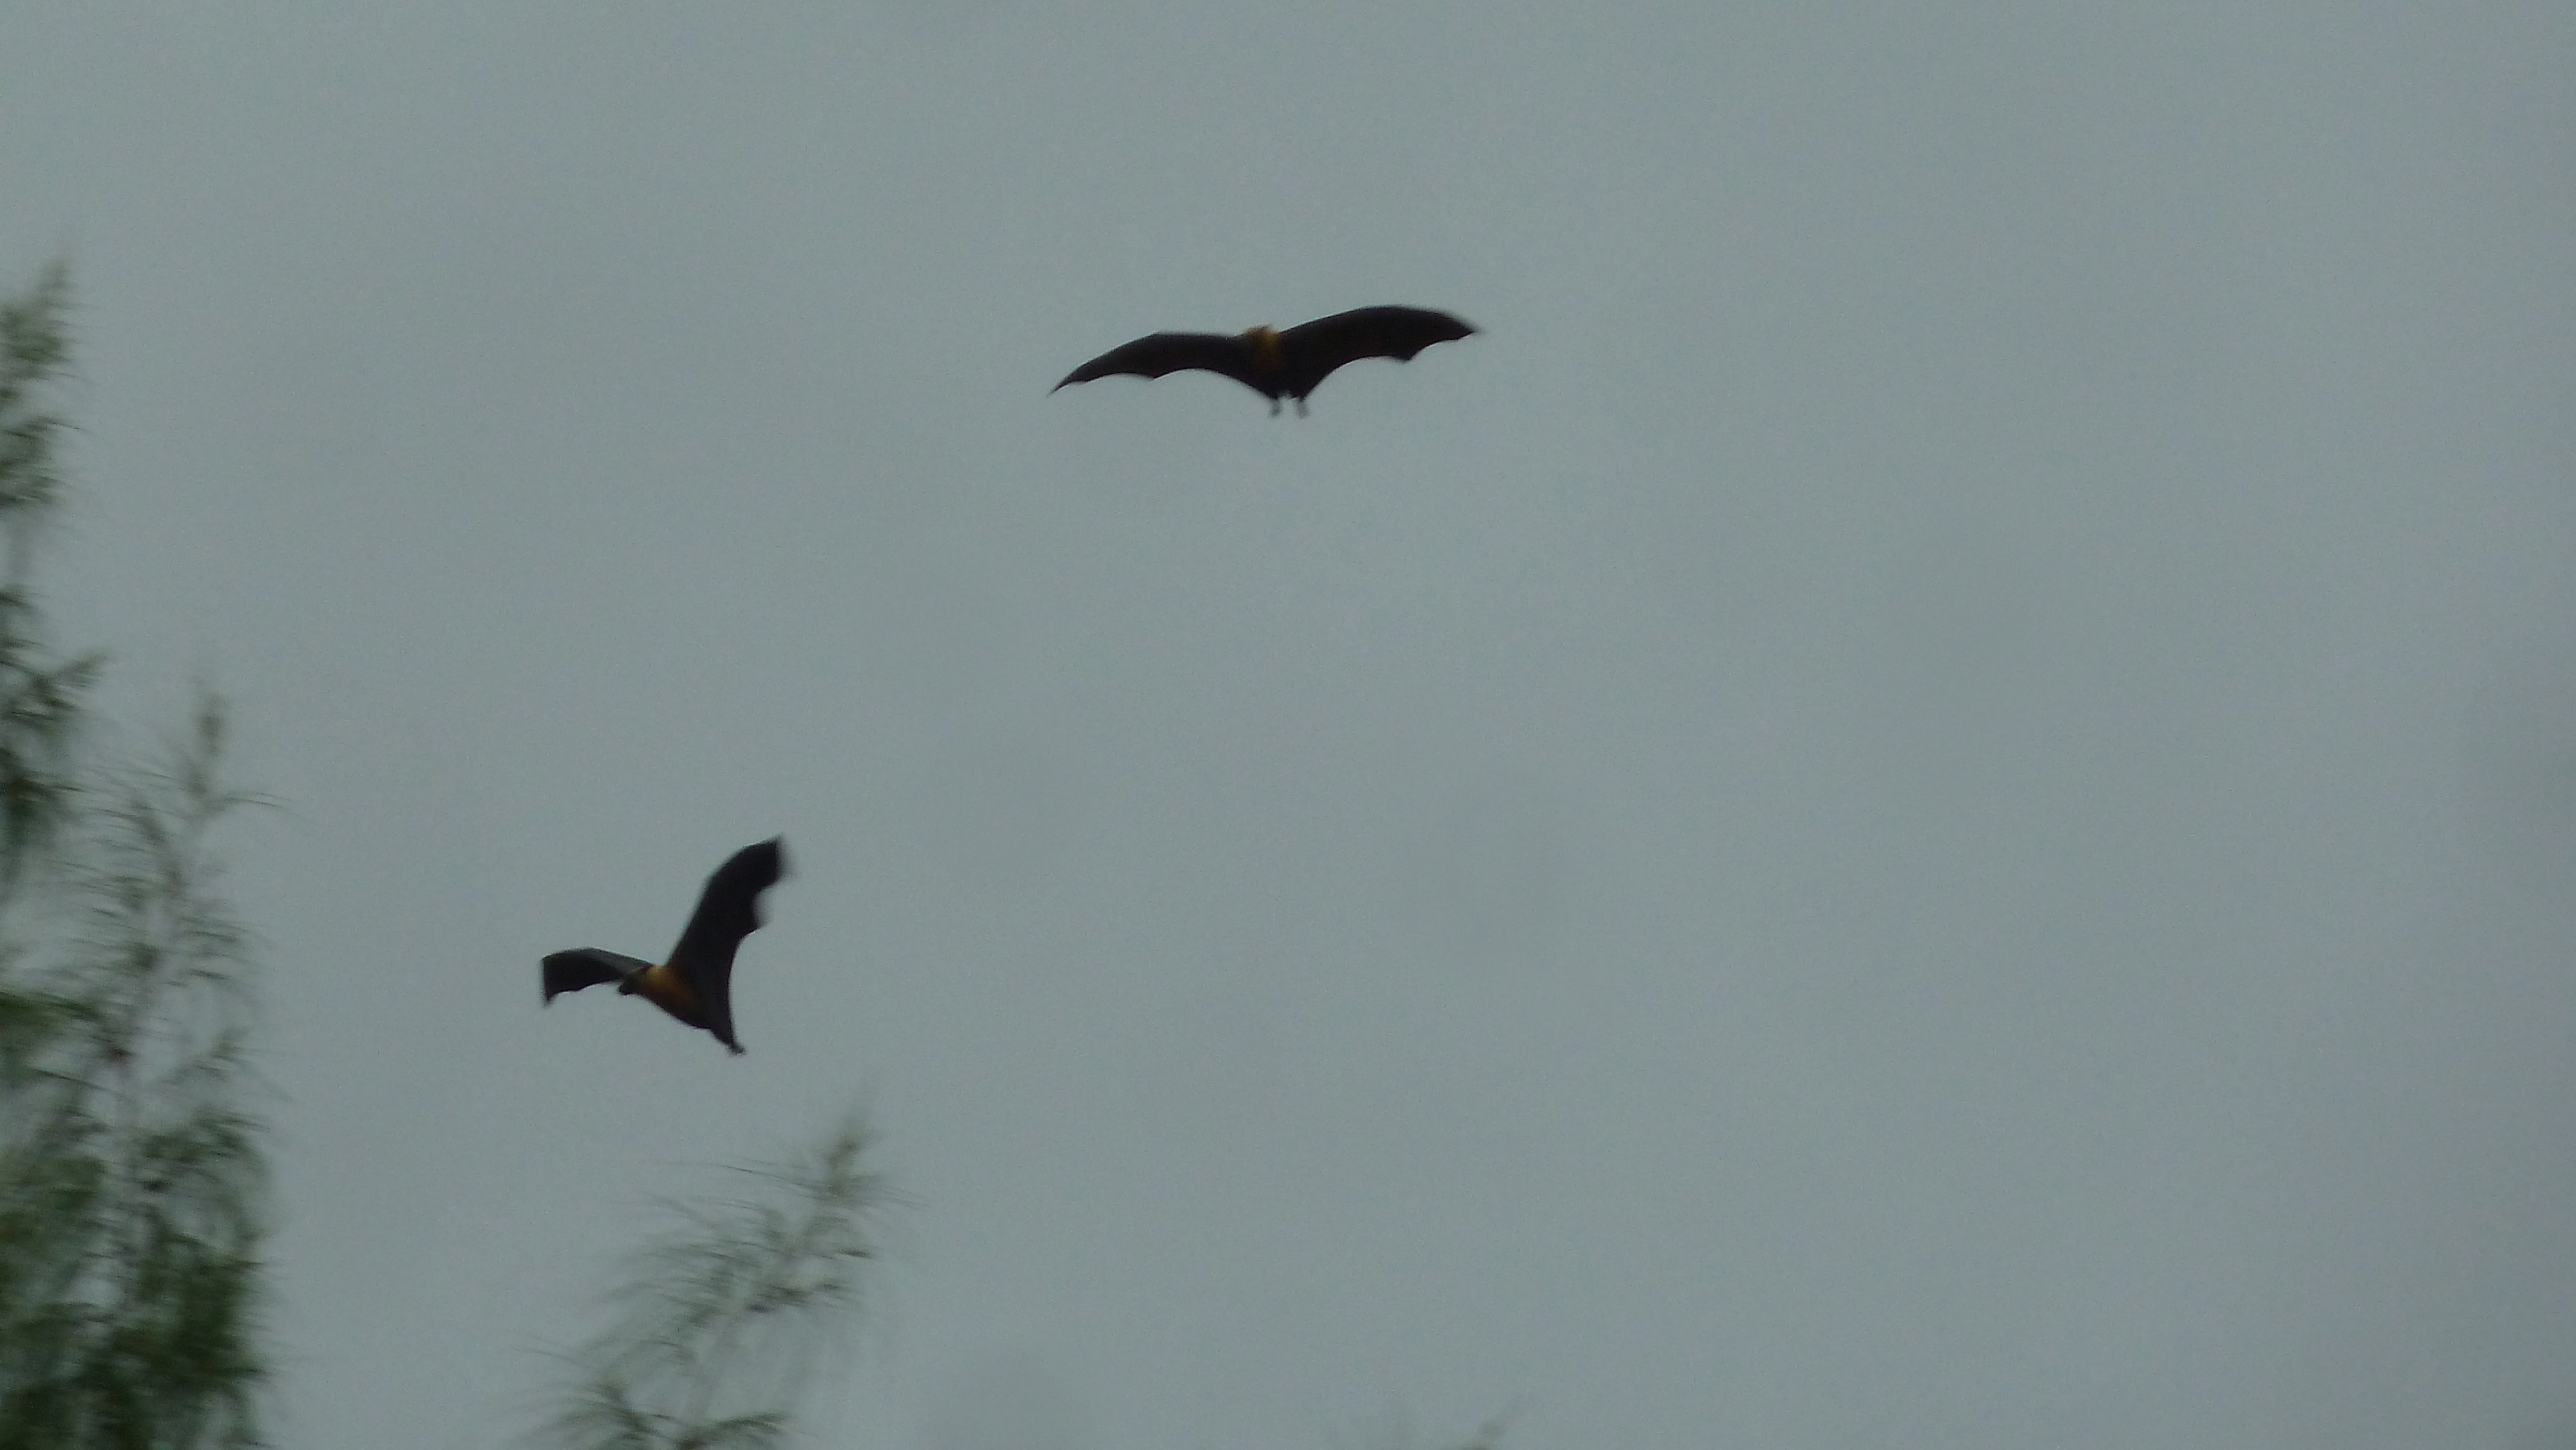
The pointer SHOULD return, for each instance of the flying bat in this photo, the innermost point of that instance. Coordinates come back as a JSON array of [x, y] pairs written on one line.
[[696, 984], [1281, 364]]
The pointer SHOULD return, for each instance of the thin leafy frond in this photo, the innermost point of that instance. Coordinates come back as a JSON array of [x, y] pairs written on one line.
[[40, 695], [714, 1326], [133, 1188], [35, 349]]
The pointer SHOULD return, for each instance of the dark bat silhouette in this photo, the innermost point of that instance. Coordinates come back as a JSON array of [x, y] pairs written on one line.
[[696, 984], [1281, 364]]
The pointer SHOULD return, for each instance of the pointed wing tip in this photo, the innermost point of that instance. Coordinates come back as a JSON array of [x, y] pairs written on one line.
[[1091, 370], [756, 856]]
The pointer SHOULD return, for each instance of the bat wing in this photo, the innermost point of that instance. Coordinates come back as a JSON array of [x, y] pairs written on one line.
[[1172, 352], [728, 910], [587, 967], [1311, 350]]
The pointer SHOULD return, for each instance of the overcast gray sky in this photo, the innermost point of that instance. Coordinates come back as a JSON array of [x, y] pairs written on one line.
[[1928, 800]]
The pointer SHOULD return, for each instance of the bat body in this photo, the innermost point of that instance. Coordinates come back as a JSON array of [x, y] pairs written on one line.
[[696, 984], [1281, 364]]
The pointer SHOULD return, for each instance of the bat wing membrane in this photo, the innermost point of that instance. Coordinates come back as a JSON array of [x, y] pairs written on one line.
[[728, 910], [1172, 352], [587, 967], [1311, 350]]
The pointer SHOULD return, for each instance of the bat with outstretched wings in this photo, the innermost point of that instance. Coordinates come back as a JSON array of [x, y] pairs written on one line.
[[1279, 364], [696, 984]]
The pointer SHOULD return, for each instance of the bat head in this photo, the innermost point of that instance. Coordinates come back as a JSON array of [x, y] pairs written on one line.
[[1265, 346]]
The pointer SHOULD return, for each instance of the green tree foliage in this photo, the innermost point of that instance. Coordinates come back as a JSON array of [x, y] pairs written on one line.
[[715, 1325], [40, 696], [132, 1182]]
